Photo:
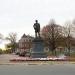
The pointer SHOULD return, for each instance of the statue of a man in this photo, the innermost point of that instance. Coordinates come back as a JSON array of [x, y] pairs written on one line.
[[37, 28]]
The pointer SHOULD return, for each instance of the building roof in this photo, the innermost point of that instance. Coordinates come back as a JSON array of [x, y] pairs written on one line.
[[24, 36]]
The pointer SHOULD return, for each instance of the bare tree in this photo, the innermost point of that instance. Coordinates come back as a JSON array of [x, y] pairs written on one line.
[[1, 38], [69, 32], [12, 39], [52, 32]]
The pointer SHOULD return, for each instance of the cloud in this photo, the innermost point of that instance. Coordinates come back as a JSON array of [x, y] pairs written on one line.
[[18, 15]]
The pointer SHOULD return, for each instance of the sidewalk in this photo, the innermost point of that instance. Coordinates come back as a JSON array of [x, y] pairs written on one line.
[[37, 63]]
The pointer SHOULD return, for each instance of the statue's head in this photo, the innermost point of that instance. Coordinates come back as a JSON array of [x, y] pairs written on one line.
[[36, 21]]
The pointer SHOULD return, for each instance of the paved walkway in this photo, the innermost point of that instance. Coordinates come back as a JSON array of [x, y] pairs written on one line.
[[4, 58]]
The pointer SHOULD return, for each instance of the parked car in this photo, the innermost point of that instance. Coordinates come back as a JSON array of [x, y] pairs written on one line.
[[22, 53], [17, 52]]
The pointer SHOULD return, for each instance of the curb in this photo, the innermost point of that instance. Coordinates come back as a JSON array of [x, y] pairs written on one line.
[[33, 63]]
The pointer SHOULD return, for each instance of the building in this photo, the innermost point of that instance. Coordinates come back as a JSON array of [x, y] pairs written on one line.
[[25, 43]]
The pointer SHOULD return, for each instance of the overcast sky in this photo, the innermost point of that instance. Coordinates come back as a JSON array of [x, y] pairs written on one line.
[[19, 15]]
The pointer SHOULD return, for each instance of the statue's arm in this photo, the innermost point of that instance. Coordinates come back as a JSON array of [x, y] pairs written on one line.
[[34, 26]]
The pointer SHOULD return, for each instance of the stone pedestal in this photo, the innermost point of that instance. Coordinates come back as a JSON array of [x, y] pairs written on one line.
[[38, 49]]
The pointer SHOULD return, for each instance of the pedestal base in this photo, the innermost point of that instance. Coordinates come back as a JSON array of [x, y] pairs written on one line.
[[38, 55], [38, 49]]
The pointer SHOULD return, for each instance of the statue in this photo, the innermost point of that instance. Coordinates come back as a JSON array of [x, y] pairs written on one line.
[[37, 28], [38, 43]]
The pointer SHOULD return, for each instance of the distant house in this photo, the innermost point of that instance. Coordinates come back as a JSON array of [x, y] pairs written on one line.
[[25, 43]]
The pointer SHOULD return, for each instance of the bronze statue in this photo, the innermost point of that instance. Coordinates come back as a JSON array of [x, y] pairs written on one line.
[[37, 28]]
